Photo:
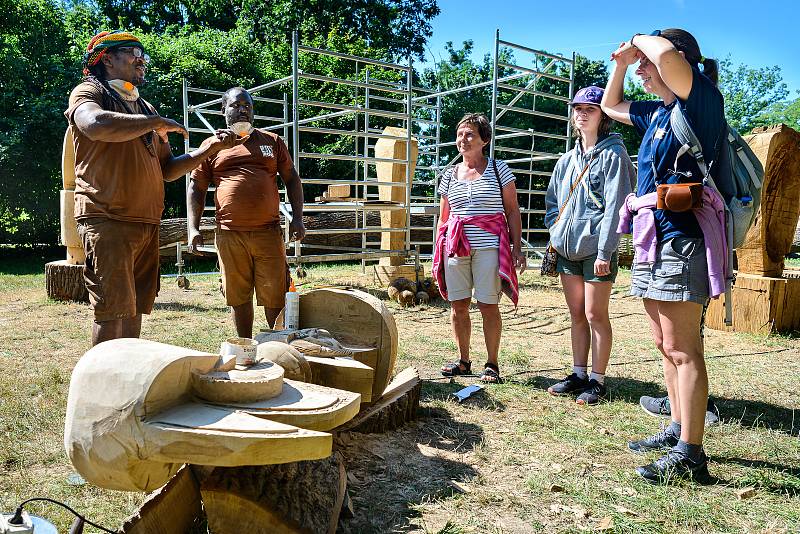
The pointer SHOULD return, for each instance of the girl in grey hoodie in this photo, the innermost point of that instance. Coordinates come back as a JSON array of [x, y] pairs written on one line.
[[587, 189]]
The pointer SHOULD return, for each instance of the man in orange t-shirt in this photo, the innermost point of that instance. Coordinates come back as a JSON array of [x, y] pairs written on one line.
[[122, 159], [248, 237]]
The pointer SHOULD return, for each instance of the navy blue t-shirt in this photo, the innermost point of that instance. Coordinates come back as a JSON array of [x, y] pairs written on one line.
[[705, 112]]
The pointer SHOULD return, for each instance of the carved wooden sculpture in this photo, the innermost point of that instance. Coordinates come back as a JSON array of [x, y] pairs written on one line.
[[394, 149], [134, 415], [64, 278], [360, 322], [763, 299]]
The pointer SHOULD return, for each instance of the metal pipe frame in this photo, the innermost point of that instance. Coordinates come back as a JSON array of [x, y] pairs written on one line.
[[428, 132]]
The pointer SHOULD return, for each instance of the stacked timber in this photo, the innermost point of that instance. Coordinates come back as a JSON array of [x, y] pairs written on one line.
[[64, 278], [763, 299], [394, 148]]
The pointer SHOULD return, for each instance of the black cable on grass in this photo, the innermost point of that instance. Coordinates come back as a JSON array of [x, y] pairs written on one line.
[[17, 518]]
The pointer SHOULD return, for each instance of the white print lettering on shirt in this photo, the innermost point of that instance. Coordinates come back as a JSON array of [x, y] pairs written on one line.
[[267, 151]]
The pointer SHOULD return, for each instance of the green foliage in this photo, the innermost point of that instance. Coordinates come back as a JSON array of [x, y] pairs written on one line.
[[400, 26], [40, 65], [749, 92], [212, 43], [786, 112]]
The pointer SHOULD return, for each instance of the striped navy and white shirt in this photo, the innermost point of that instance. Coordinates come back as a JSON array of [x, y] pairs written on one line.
[[478, 197]]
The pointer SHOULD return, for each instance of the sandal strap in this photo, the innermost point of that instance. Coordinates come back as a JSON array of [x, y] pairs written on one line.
[[493, 366]]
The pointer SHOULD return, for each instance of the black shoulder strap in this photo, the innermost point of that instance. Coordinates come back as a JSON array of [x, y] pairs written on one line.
[[499, 183]]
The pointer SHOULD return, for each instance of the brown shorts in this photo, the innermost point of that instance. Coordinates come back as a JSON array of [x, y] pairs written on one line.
[[250, 260], [122, 266]]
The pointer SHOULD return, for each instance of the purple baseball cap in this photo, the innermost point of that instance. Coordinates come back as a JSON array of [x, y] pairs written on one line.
[[588, 95]]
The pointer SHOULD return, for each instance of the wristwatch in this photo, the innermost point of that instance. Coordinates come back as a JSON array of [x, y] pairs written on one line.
[[654, 33]]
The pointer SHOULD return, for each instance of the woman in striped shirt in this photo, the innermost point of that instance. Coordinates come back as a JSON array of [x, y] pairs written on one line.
[[478, 243]]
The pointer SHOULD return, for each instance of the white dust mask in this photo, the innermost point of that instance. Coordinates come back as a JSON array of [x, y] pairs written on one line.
[[126, 90], [241, 128]]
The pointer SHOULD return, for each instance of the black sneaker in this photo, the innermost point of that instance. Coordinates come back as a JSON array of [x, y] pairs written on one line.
[[659, 407], [571, 384], [593, 394], [663, 440], [674, 465]]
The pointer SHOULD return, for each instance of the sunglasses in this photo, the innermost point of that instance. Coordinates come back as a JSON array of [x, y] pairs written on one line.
[[135, 51]]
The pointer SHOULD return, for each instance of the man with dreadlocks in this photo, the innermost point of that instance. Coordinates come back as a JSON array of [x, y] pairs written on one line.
[[122, 159]]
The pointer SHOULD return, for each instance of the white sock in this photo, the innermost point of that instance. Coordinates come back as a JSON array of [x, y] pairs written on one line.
[[580, 371], [597, 376]]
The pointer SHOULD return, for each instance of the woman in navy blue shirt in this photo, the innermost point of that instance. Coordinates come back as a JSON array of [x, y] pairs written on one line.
[[675, 286]]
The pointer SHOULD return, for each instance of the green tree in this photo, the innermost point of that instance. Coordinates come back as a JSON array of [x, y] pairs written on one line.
[[400, 26], [749, 92], [786, 112]]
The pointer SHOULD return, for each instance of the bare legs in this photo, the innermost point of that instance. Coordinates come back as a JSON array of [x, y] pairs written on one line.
[[461, 325], [676, 331], [591, 326]]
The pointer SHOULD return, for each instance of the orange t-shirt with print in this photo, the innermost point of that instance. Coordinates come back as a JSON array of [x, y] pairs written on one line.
[[247, 196]]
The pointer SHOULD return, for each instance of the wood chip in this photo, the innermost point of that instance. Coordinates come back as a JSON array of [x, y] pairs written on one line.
[[607, 523], [555, 488], [556, 467], [604, 431], [745, 493], [626, 511], [580, 512], [459, 487]]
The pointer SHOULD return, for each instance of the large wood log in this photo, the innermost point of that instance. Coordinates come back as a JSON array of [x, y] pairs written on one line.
[[770, 239], [761, 305], [64, 281], [174, 230], [172, 509], [299, 497], [397, 406]]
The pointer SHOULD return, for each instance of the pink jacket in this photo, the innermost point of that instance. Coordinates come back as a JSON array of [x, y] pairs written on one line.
[[637, 215], [454, 243]]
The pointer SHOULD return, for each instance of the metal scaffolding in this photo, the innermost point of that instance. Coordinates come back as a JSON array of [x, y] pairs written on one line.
[[375, 94]]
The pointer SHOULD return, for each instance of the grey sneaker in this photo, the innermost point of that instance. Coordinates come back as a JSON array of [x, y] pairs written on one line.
[[571, 384], [663, 440], [659, 407], [655, 406], [594, 394], [674, 465]]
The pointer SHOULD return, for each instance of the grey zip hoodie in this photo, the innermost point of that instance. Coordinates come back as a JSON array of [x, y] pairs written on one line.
[[589, 222]]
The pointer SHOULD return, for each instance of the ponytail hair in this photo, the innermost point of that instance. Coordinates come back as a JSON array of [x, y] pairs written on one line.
[[685, 42], [711, 69]]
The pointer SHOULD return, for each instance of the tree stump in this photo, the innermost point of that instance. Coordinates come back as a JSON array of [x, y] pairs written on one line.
[[298, 497], [64, 281]]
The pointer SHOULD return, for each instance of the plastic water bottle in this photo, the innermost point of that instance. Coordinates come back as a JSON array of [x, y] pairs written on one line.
[[292, 313]]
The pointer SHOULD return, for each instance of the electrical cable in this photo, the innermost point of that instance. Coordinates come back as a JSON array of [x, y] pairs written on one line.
[[17, 519], [610, 364]]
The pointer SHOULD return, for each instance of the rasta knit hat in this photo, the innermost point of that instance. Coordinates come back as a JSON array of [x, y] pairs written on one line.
[[104, 41]]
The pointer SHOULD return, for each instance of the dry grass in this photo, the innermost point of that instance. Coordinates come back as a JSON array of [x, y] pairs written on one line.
[[512, 459]]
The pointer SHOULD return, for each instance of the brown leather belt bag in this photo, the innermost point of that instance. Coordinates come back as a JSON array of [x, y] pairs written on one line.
[[679, 197]]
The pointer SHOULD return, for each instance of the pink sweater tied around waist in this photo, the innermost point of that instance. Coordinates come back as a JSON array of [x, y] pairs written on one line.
[[636, 216], [451, 241]]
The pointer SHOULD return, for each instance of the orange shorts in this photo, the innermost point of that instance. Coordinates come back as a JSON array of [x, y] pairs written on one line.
[[122, 266], [251, 260]]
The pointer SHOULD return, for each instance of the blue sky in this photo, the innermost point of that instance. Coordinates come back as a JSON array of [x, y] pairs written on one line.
[[758, 34]]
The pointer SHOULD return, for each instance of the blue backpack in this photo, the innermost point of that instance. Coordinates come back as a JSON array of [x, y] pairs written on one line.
[[737, 176]]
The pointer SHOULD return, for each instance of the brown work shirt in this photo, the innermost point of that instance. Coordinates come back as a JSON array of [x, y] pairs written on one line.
[[121, 181], [247, 191]]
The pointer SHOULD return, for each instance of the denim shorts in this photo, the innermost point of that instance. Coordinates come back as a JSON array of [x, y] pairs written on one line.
[[585, 268], [680, 272]]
